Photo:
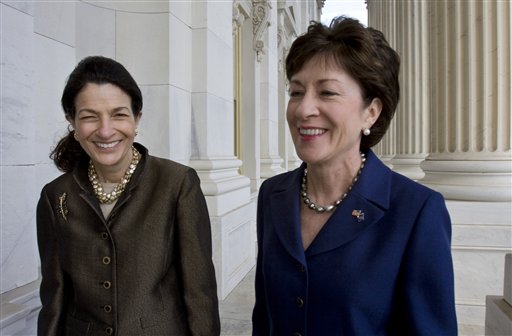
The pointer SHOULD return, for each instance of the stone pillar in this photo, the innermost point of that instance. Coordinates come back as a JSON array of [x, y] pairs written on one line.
[[471, 140], [470, 144], [412, 115], [227, 192], [265, 36], [405, 145], [250, 77], [382, 16], [287, 32]]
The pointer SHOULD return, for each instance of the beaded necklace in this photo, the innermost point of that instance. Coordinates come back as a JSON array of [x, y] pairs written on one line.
[[327, 208], [107, 198]]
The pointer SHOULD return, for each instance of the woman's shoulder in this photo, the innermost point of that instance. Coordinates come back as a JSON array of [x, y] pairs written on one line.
[[399, 182], [165, 163], [408, 191], [404, 183], [162, 170], [160, 163], [401, 188], [155, 162]]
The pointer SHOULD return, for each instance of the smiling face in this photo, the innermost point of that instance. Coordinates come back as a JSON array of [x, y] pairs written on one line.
[[105, 127], [326, 113]]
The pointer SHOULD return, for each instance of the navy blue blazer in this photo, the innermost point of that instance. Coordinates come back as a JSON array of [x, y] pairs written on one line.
[[387, 271]]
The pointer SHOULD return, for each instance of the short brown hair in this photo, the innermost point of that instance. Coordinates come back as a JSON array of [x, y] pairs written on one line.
[[363, 53]]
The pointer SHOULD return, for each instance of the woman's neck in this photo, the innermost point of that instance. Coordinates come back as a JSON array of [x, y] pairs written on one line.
[[114, 174], [326, 183]]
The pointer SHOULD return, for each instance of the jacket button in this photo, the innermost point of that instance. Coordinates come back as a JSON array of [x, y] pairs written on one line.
[[109, 331], [107, 308], [106, 260], [107, 284], [300, 302], [104, 236]]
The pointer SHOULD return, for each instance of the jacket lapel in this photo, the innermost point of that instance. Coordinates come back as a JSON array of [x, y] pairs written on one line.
[[364, 206], [284, 205]]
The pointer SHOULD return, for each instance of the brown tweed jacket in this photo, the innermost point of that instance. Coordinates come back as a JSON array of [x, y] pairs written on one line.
[[144, 270]]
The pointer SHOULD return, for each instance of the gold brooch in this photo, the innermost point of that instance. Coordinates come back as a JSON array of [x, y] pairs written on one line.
[[359, 214], [63, 209]]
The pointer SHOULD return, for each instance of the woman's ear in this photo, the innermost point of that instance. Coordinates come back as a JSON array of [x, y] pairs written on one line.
[[71, 121], [373, 112]]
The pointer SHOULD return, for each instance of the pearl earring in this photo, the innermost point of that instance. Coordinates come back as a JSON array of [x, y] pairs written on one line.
[[75, 135], [136, 131], [366, 131]]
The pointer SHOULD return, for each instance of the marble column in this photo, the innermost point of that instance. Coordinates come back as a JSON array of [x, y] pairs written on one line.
[[382, 16], [265, 36], [470, 146], [470, 156], [405, 145], [412, 115], [227, 192], [287, 32]]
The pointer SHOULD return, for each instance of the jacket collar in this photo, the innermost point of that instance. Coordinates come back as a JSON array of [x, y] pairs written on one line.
[[370, 195], [87, 193]]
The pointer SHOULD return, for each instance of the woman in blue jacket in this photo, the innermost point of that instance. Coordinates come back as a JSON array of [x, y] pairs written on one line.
[[345, 245]]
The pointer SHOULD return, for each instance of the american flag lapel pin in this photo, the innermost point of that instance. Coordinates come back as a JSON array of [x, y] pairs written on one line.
[[359, 214]]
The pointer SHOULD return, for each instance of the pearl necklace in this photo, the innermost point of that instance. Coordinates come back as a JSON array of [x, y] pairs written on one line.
[[328, 208], [107, 198]]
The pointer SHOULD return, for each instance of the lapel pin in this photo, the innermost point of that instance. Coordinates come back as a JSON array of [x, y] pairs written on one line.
[[63, 209], [359, 214]]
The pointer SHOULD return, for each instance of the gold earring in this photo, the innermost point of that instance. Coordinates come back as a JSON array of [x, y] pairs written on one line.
[[75, 135]]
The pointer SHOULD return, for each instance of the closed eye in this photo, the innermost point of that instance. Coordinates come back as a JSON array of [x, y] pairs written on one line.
[[87, 117], [295, 93], [327, 93], [121, 112]]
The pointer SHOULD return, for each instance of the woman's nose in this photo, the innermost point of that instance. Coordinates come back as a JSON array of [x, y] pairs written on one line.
[[105, 129], [307, 106]]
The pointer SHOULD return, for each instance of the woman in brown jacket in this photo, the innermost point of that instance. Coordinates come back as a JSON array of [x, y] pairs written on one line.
[[124, 237]]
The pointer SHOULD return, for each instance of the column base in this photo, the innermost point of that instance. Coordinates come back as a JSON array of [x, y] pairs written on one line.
[[409, 165], [271, 166], [232, 211], [470, 180], [234, 248], [223, 187], [387, 160]]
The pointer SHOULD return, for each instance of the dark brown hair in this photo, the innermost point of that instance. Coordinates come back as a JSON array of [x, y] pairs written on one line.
[[98, 70], [363, 53]]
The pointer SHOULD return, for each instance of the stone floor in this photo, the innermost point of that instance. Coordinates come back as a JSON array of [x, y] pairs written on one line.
[[236, 309]]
